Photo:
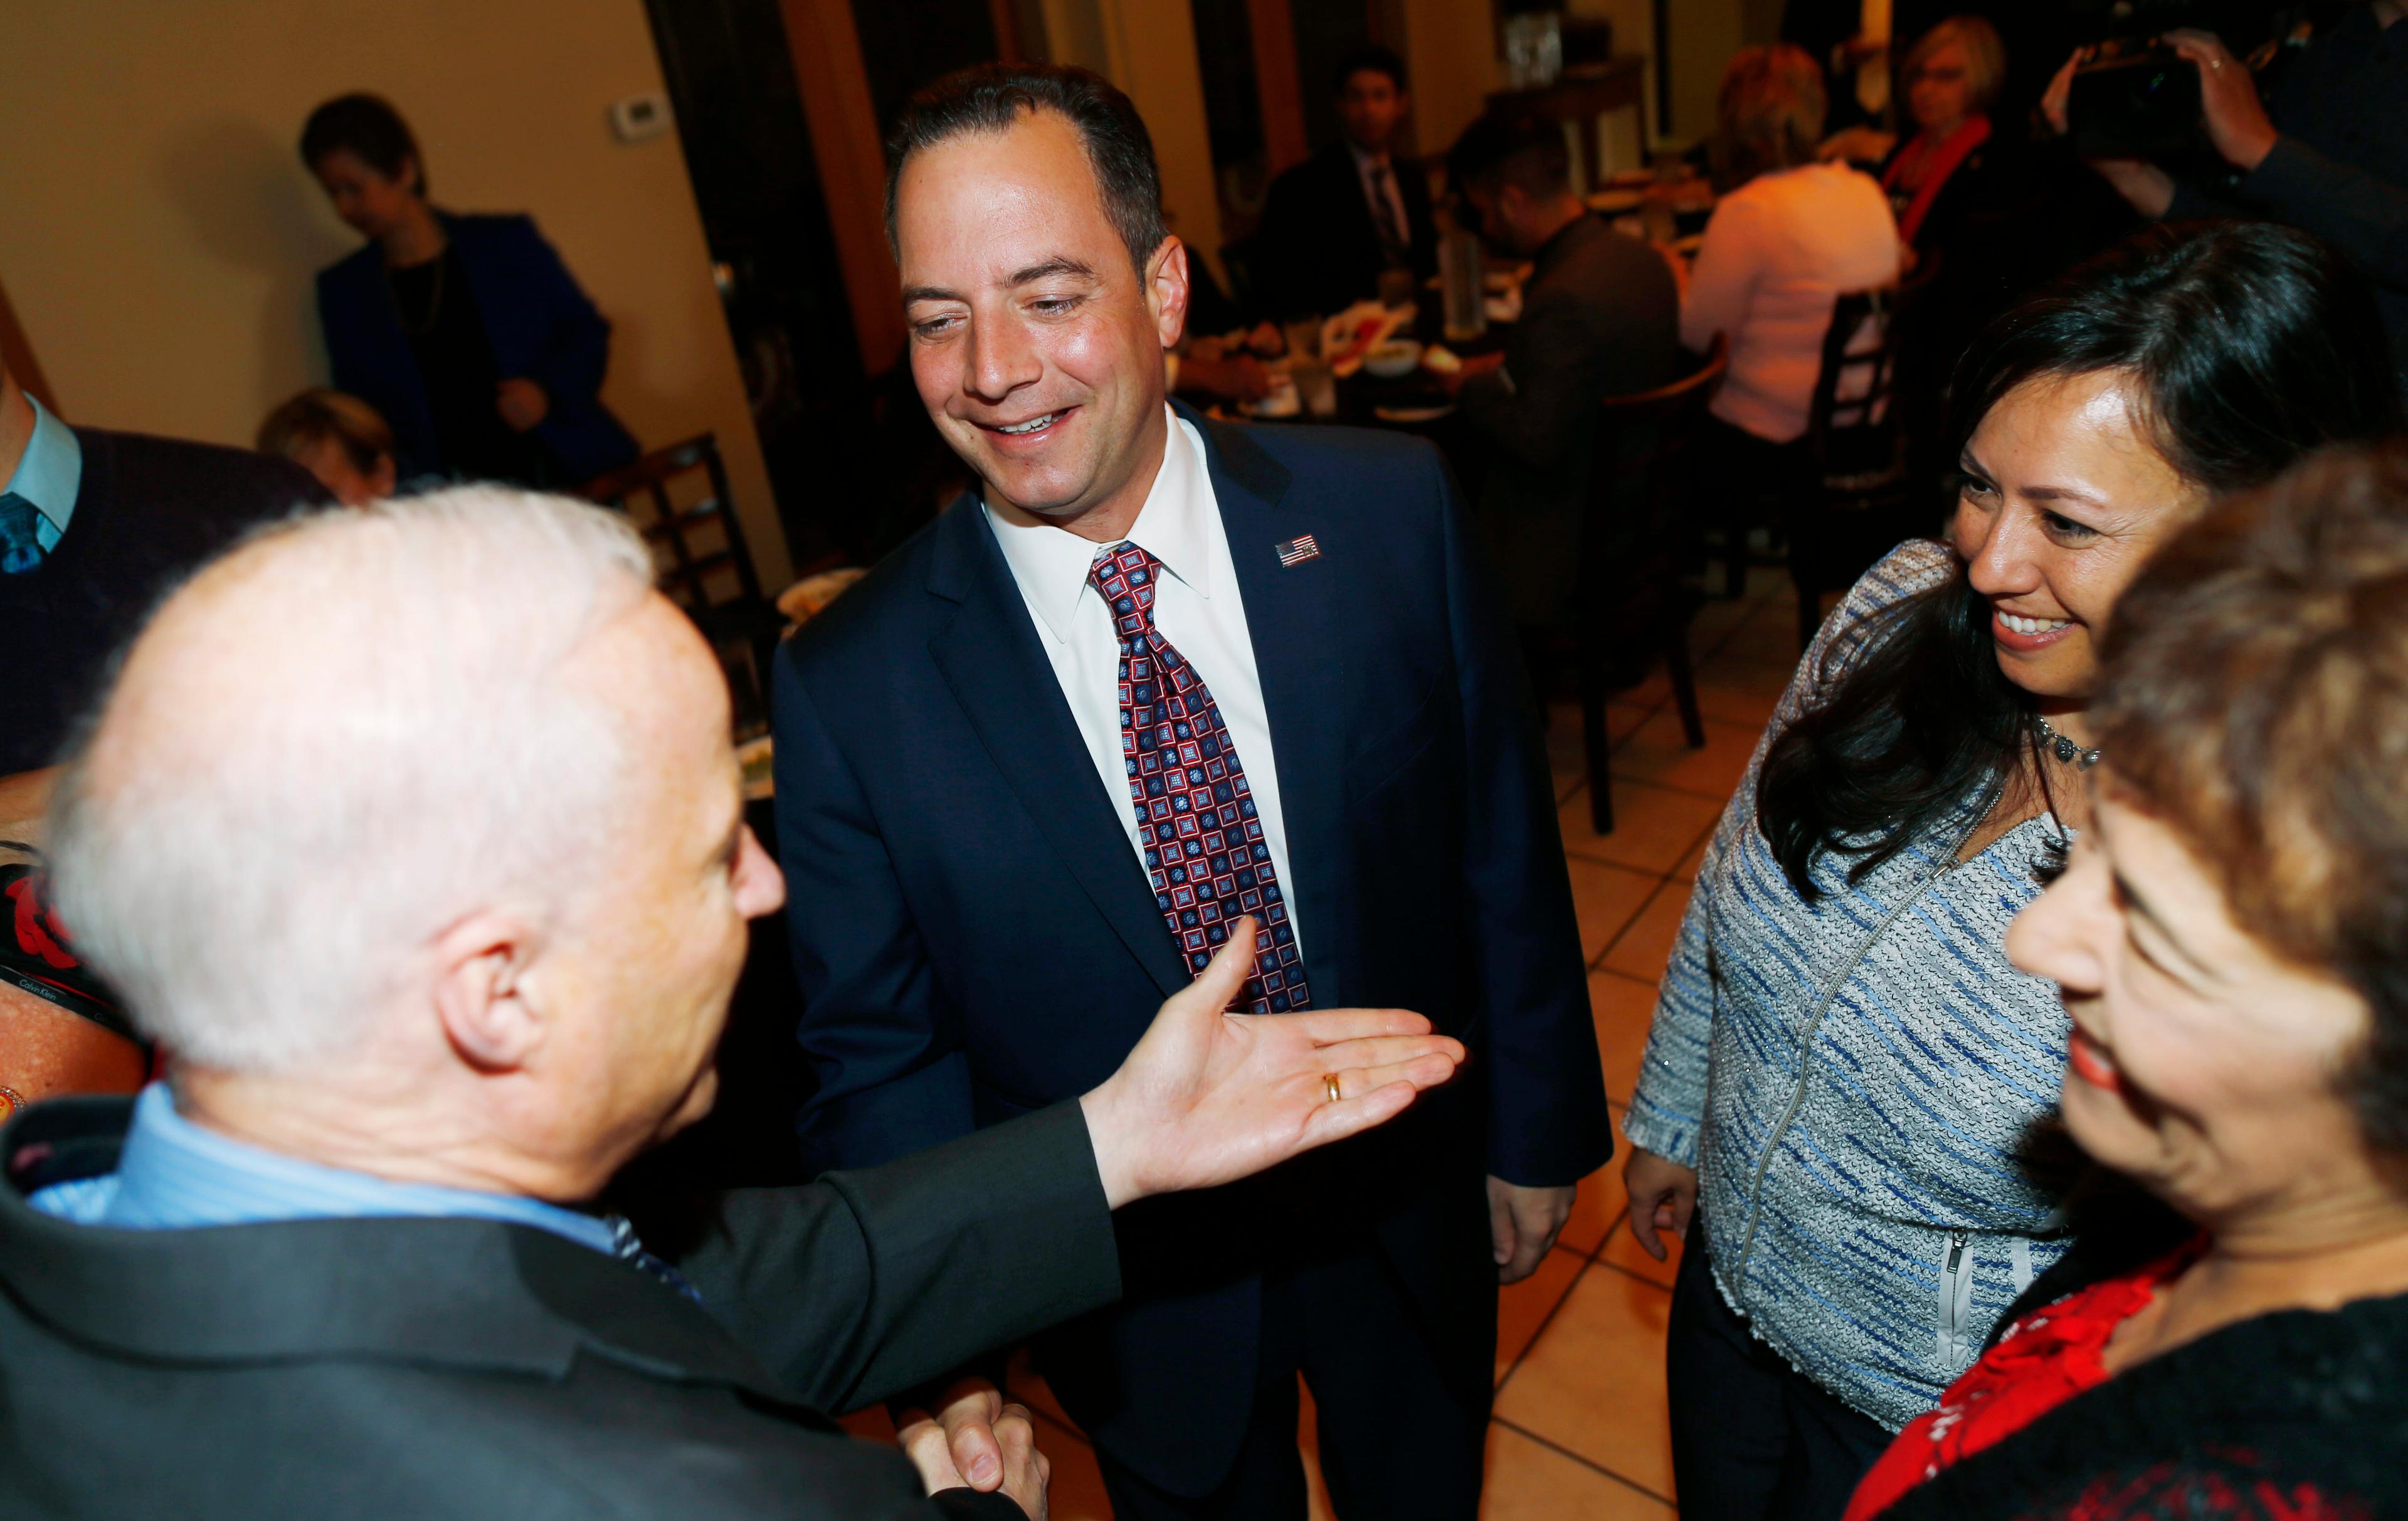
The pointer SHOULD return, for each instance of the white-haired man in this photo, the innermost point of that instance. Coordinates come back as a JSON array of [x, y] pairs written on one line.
[[416, 836]]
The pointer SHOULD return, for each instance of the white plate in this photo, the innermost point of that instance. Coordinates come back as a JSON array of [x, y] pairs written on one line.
[[1413, 415]]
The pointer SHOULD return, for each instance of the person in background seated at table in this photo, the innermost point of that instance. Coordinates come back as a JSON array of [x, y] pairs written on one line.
[[1952, 76], [1332, 223], [1789, 237], [1154, 673], [93, 526], [465, 332], [2231, 942], [1601, 317], [1845, 1079], [416, 835], [338, 438], [1947, 198]]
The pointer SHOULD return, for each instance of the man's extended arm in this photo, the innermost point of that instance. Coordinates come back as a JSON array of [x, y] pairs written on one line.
[[866, 1284]]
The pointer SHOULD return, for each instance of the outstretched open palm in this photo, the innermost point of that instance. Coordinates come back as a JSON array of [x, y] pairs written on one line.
[[1209, 1096]]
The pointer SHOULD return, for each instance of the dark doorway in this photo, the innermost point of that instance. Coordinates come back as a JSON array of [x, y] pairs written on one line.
[[853, 461]]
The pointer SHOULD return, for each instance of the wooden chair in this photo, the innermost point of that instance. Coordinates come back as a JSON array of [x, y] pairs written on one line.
[[1634, 607], [676, 498], [1856, 504]]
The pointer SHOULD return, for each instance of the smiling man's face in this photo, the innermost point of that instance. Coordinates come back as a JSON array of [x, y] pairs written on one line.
[[1035, 345]]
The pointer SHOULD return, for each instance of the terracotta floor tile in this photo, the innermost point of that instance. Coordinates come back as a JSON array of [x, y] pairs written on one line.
[[1770, 635], [1622, 1008], [1019, 1380], [1076, 1491], [1741, 691], [1687, 870], [1568, 756], [1530, 1481], [1714, 620], [1606, 898], [1597, 1209], [1653, 826], [1594, 1382], [1316, 1499], [1644, 948], [1772, 584], [1659, 753], [1522, 1307]]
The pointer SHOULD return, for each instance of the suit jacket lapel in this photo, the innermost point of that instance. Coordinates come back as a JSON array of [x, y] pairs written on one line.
[[1300, 650], [989, 656]]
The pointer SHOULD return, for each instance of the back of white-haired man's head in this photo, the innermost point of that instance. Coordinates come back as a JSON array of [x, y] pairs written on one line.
[[378, 809]]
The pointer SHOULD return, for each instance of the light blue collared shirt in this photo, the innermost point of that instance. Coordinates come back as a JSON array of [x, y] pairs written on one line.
[[49, 477], [173, 1174]]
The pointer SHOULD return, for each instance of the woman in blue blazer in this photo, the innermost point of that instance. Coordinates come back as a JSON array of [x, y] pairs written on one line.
[[465, 332]]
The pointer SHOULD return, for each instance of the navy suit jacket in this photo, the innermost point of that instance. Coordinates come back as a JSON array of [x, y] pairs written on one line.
[[1317, 251], [540, 324], [975, 937]]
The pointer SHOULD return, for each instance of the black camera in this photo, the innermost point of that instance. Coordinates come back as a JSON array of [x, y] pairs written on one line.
[[2133, 98]]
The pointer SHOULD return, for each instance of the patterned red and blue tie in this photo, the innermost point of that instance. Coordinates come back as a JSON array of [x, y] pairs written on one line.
[[1204, 846]]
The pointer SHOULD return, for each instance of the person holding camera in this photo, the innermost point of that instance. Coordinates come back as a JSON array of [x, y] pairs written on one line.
[[2327, 151]]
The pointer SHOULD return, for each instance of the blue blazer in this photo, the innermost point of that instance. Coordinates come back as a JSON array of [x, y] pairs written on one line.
[[975, 937], [539, 324]]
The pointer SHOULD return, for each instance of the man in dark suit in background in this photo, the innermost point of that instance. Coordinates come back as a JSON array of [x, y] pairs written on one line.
[[1601, 317], [93, 526], [1334, 222], [416, 835], [1157, 674]]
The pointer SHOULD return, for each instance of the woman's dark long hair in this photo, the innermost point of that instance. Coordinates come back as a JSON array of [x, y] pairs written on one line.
[[2248, 345]]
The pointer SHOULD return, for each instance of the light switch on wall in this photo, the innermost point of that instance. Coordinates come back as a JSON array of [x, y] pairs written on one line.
[[638, 117]]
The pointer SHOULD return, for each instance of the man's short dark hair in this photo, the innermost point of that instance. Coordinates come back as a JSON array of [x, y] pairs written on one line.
[[996, 97], [1375, 60], [1521, 149], [368, 127]]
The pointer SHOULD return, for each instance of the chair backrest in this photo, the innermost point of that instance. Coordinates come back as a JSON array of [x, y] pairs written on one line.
[[677, 499], [1851, 423], [1633, 479]]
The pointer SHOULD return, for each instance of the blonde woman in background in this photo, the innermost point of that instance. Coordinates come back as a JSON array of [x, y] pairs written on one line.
[[1790, 235]]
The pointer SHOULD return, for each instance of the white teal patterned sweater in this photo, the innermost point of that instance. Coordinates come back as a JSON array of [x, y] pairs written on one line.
[[1856, 1080]]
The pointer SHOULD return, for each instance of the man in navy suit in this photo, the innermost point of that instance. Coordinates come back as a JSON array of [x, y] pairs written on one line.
[[1332, 223], [1158, 673]]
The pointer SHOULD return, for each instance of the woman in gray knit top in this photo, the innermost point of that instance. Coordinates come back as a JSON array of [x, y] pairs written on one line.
[[1846, 1081]]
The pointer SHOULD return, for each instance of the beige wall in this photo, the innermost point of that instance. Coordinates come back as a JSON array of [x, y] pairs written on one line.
[[1148, 48], [1451, 48], [158, 236]]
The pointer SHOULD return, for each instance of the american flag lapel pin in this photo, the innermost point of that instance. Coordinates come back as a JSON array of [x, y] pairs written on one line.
[[1297, 551]]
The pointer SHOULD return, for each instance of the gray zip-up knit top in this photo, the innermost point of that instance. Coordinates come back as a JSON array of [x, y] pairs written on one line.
[[1860, 1083]]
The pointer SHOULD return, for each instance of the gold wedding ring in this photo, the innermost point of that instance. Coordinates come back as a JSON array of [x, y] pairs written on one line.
[[1329, 1086]]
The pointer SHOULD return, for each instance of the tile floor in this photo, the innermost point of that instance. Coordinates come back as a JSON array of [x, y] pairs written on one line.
[[1579, 1429]]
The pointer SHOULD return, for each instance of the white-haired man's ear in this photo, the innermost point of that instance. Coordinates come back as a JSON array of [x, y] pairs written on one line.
[[481, 992]]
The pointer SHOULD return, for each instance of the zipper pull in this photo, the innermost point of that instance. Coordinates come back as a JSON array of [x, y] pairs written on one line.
[[1956, 1249]]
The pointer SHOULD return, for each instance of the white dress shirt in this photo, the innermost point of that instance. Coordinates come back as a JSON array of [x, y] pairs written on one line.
[[1196, 606]]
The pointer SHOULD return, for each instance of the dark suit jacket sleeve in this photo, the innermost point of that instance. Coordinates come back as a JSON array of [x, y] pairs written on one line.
[[1566, 353], [865, 1283], [576, 347], [893, 1078], [1548, 1122]]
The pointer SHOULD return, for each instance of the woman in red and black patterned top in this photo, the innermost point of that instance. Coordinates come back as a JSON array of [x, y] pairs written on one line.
[[2231, 942]]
